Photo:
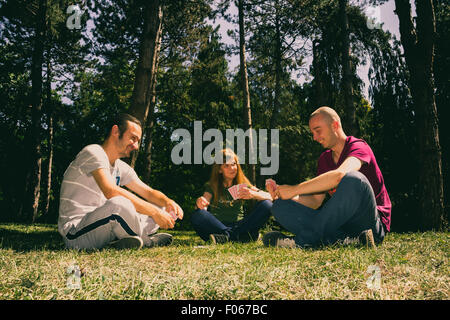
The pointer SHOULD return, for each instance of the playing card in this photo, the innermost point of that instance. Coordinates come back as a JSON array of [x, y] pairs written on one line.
[[271, 183], [242, 185], [174, 216], [237, 191], [233, 192], [171, 212]]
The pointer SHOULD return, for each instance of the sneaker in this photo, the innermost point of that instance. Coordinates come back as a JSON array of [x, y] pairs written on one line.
[[131, 242], [278, 239], [158, 240], [366, 238], [218, 238]]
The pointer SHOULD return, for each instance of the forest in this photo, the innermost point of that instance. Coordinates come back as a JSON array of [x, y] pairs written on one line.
[[66, 67]]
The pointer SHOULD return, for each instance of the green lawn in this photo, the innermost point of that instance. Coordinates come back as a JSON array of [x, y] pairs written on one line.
[[34, 265]]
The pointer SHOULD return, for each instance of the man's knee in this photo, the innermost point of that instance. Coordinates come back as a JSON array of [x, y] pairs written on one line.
[[354, 178], [122, 204], [354, 175]]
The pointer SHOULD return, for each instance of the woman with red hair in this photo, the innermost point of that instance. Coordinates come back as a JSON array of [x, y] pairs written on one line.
[[219, 215]]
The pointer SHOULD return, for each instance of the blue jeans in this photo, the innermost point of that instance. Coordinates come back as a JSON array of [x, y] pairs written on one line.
[[351, 210], [245, 230]]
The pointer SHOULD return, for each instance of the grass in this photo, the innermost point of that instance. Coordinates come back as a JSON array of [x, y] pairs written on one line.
[[34, 264]]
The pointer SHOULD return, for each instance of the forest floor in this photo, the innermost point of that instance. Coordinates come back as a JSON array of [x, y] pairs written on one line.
[[34, 264]]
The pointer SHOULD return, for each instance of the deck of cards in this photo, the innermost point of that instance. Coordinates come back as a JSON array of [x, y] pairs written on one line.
[[234, 190]]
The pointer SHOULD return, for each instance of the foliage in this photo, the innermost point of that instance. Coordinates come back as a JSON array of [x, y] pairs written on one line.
[[93, 70]]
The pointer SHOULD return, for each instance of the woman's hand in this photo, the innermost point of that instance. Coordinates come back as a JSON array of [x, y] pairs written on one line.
[[202, 203], [246, 193]]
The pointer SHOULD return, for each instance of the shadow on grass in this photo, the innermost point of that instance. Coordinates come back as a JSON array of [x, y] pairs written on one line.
[[23, 239], [19, 237]]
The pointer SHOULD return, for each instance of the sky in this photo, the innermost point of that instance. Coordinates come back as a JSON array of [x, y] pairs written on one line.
[[384, 14]]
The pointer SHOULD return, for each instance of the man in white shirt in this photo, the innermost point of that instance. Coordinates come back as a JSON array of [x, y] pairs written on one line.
[[95, 208]]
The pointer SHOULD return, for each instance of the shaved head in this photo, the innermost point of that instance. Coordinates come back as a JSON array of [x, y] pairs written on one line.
[[327, 113]]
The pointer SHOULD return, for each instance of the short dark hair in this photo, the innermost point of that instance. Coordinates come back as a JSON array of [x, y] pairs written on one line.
[[121, 120]]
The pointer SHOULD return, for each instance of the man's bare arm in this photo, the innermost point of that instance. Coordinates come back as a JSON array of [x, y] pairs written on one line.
[[155, 196], [110, 190], [322, 183], [313, 201]]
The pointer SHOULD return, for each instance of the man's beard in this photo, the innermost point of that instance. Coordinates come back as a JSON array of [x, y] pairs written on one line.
[[127, 153]]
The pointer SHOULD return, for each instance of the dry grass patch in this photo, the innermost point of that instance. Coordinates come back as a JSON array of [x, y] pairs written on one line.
[[34, 264]]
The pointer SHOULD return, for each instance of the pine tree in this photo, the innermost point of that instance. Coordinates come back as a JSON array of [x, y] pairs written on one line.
[[418, 42]]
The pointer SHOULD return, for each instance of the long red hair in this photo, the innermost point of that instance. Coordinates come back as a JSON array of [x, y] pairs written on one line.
[[216, 179]]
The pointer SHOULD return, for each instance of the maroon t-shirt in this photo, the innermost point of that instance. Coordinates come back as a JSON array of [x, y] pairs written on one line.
[[360, 149]]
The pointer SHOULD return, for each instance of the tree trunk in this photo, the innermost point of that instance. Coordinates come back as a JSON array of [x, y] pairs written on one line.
[[147, 159], [278, 70], [146, 68], [32, 194], [148, 144], [244, 86], [49, 112], [320, 94], [151, 96], [349, 125], [418, 44], [50, 163]]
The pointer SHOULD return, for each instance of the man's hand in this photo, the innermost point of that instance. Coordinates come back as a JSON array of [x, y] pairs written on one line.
[[202, 203], [173, 207], [163, 219], [286, 192], [271, 186]]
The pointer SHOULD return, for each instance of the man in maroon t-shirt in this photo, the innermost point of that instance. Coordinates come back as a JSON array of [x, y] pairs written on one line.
[[359, 206]]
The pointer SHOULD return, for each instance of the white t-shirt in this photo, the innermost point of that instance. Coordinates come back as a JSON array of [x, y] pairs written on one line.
[[80, 192]]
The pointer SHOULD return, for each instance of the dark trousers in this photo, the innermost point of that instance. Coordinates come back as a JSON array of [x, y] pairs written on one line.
[[245, 230], [350, 210]]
